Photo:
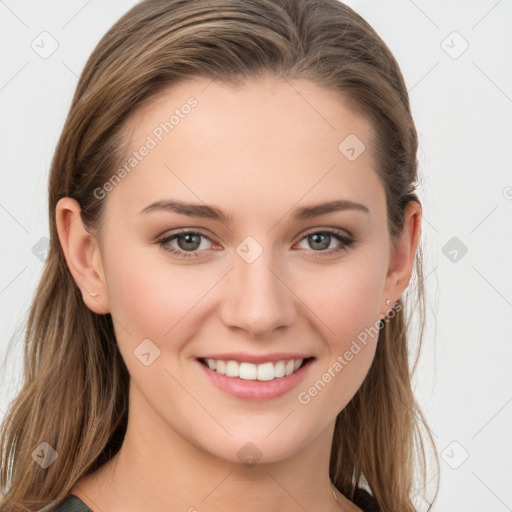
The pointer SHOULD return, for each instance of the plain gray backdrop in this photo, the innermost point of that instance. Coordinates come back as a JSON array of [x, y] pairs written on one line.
[[455, 57]]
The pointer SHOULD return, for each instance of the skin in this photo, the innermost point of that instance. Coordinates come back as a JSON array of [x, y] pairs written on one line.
[[256, 151]]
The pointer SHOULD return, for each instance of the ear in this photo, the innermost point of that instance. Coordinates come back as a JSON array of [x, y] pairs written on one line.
[[403, 252], [82, 254]]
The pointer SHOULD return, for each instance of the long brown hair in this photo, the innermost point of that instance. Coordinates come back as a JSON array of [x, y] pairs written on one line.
[[75, 390]]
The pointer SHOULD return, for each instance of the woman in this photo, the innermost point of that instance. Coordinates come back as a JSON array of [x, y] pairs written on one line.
[[220, 324]]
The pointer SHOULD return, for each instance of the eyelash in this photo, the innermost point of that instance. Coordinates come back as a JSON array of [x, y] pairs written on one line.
[[346, 241]]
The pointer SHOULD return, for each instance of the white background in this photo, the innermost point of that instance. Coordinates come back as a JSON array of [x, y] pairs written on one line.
[[463, 112]]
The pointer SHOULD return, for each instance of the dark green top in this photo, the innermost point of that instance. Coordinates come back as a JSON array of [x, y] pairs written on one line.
[[72, 503]]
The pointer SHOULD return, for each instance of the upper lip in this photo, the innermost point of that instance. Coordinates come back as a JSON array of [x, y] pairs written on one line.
[[256, 359]]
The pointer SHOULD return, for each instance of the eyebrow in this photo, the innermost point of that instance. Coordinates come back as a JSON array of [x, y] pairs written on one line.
[[214, 213]]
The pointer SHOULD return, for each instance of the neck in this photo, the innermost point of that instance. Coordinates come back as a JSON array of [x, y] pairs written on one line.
[[158, 469]]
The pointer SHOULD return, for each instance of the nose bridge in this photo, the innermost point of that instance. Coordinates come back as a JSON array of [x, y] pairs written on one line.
[[257, 298]]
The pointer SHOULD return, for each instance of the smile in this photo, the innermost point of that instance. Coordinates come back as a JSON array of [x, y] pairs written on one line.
[[249, 371], [258, 380]]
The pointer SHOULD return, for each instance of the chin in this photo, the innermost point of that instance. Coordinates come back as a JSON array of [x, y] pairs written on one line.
[[257, 448]]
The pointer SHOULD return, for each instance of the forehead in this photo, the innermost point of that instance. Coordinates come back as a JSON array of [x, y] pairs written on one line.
[[266, 141]]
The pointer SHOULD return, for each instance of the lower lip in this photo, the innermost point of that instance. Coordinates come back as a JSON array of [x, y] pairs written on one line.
[[256, 389]]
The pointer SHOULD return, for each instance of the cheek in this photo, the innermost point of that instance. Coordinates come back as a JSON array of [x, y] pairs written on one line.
[[148, 299], [349, 315], [352, 303]]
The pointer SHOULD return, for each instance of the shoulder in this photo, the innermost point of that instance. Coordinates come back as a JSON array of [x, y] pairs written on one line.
[[71, 504]]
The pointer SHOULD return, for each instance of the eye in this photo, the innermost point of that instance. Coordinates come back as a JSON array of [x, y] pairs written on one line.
[[321, 240], [187, 241]]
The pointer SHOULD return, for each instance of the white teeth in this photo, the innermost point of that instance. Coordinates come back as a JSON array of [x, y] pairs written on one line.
[[249, 371], [288, 369], [232, 369], [221, 366], [266, 371], [279, 369]]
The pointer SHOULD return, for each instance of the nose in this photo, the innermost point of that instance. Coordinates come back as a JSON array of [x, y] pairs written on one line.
[[257, 297]]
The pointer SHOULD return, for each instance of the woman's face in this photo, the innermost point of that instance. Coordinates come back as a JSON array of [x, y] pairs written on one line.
[[210, 251]]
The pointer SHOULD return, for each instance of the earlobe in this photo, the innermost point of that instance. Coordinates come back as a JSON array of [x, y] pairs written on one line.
[[82, 255], [403, 252]]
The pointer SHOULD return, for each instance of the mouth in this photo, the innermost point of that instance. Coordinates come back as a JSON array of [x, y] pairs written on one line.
[[263, 372], [255, 381]]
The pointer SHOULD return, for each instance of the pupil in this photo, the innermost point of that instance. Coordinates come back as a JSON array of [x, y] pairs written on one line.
[[189, 241], [315, 240]]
